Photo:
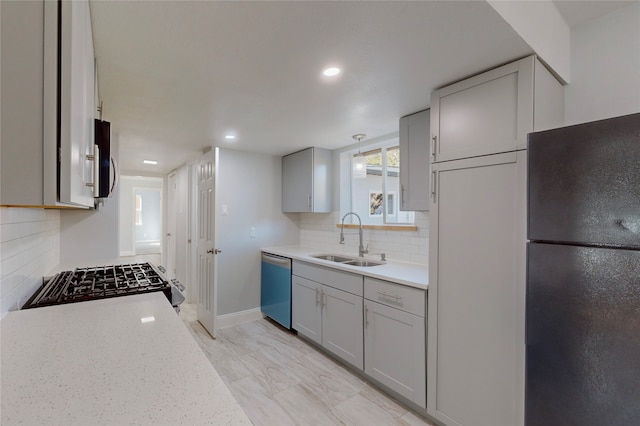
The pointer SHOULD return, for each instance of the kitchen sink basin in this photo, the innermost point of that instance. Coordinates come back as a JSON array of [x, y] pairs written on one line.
[[332, 257], [352, 261], [363, 263]]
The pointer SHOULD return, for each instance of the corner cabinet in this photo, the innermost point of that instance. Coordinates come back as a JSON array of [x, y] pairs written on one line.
[[494, 111], [327, 309], [48, 104], [306, 181], [394, 338], [414, 158]]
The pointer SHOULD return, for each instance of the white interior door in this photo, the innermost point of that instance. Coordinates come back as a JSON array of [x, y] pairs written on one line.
[[172, 195], [206, 306], [192, 233]]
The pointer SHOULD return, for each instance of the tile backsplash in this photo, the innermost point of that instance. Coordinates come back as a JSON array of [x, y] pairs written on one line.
[[29, 249], [319, 230]]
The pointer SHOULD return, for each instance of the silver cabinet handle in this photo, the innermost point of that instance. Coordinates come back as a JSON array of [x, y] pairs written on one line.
[[309, 202], [389, 297], [95, 157], [317, 296], [366, 316], [402, 195], [434, 140], [434, 176]]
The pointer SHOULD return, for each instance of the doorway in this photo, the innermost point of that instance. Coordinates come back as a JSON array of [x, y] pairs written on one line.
[[141, 218], [147, 220]]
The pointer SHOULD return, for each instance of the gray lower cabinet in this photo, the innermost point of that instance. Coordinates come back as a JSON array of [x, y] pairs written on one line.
[[342, 325], [379, 328], [306, 310], [394, 338], [327, 309]]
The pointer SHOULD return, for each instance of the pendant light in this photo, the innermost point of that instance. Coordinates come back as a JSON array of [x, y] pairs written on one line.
[[359, 161]]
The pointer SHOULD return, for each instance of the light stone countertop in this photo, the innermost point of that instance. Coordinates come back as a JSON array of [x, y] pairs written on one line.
[[97, 363], [406, 273]]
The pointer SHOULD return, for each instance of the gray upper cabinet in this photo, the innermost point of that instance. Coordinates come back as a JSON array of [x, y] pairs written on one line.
[[33, 157], [414, 161], [306, 181], [494, 111]]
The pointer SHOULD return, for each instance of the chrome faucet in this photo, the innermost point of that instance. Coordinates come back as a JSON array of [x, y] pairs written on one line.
[[361, 249]]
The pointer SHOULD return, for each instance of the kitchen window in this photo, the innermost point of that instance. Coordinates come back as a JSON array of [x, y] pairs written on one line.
[[375, 197]]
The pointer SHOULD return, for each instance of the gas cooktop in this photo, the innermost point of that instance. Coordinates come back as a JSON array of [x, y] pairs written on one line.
[[100, 282]]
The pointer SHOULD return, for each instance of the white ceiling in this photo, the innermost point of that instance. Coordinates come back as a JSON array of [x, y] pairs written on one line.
[[176, 76]]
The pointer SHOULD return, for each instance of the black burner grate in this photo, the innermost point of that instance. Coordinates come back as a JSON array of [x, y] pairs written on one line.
[[100, 282]]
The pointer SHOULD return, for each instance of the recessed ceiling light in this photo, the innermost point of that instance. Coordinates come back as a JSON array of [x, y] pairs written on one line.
[[230, 137], [154, 162], [330, 72]]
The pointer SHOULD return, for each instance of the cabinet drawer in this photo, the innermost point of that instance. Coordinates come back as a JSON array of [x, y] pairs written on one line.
[[341, 280], [398, 296]]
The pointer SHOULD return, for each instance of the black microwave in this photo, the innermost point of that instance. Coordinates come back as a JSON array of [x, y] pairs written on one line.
[[107, 168]]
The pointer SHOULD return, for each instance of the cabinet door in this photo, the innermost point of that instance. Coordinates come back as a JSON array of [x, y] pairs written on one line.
[[485, 114], [306, 308], [395, 350], [477, 291], [21, 154], [297, 182], [414, 161], [76, 104], [342, 325]]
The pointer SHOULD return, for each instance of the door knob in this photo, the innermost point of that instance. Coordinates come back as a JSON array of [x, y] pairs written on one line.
[[214, 251]]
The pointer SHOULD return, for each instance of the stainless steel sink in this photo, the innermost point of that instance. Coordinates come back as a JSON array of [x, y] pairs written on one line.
[[352, 261], [363, 263], [332, 257]]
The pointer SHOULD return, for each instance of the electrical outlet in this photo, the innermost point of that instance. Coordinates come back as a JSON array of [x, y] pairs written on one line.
[[252, 232], [225, 209]]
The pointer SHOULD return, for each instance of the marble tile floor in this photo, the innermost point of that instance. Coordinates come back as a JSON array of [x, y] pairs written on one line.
[[279, 379]]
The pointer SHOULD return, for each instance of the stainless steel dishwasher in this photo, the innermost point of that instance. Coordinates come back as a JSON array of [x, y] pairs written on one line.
[[275, 288]]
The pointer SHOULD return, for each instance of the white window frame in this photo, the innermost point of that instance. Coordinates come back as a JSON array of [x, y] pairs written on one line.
[[346, 180]]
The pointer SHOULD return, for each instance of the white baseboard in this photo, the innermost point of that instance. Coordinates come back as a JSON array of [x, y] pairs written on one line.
[[234, 318], [127, 253]]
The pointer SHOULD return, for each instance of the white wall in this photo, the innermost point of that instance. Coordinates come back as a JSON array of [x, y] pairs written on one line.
[[29, 250], [126, 209], [605, 67], [90, 234], [250, 186], [542, 27]]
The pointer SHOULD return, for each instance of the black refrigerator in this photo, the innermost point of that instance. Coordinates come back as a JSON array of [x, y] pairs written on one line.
[[583, 275]]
